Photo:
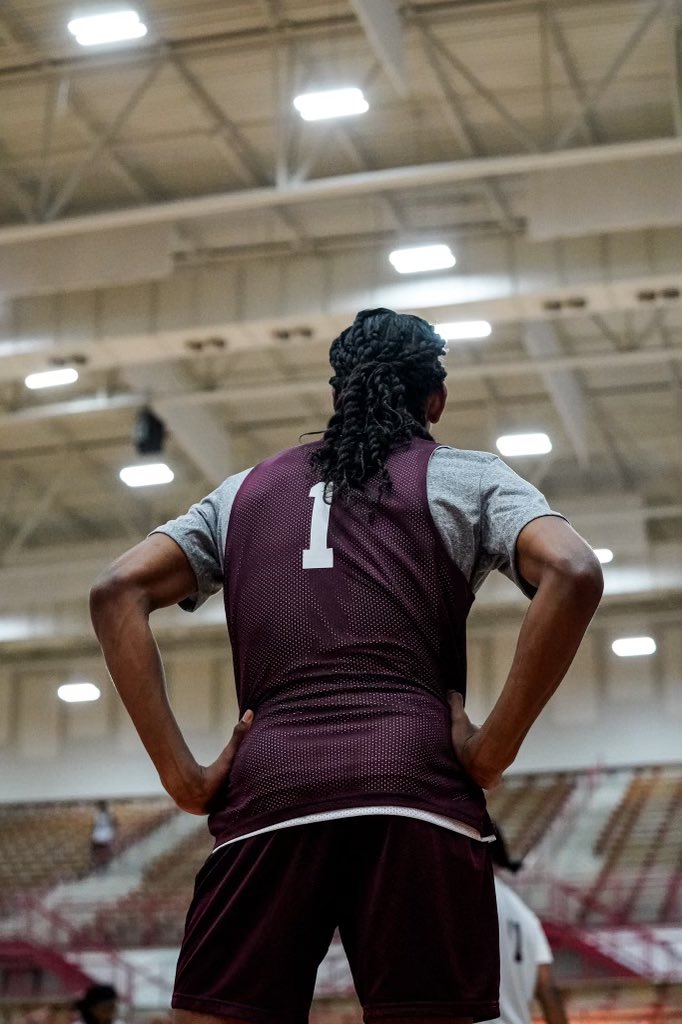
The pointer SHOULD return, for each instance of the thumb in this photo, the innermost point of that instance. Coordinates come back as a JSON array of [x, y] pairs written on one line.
[[238, 733], [456, 702]]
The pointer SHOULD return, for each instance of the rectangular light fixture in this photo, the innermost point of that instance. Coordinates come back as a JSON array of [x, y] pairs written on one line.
[[633, 646], [147, 474], [463, 330], [421, 258], [77, 693], [605, 555], [108, 27], [320, 106], [523, 444], [51, 378]]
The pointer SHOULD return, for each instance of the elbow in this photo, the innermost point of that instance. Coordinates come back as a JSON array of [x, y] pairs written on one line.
[[582, 574], [108, 593], [589, 578], [103, 593]]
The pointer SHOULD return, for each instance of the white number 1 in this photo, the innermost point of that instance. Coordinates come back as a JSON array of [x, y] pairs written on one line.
[[318, 555]]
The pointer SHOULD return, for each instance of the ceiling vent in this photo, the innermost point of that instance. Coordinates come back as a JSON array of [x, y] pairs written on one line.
[[206, 344], [292, 333], [649, 295], [564, 305], [73, 360]]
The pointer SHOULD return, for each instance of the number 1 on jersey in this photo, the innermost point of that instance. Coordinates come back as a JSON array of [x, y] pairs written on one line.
[[318, 555]]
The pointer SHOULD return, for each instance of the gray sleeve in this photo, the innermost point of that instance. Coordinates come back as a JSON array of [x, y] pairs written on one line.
[[480, 506], [202, 533], [452, 487], [508, 503]]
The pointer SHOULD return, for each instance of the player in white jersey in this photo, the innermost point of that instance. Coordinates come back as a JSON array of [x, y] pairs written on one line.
[[525, 956]]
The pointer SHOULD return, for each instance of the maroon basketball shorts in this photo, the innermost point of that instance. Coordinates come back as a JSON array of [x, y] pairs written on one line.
[[414, 904]]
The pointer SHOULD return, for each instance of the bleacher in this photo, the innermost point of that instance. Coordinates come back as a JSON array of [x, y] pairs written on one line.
[[641, 846], [154, 913], [634, 861], [42, 844], [526, 805]]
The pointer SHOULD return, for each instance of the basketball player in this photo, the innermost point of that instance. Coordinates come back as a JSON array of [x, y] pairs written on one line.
[[525, 956], [349, 795]]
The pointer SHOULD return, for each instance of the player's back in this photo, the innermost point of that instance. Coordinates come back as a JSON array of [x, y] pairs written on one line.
[[347, 624]]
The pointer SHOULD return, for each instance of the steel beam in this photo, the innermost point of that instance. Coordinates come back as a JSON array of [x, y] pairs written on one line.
[[491, 98], [338, 186], [383, 26], [232, 134], [674, 20], [593, 96], [464, 131], [567, 393], [71, 184], [168, 388], [593, 128]]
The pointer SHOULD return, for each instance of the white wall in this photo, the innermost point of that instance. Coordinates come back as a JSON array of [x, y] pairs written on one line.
[[609, 711]]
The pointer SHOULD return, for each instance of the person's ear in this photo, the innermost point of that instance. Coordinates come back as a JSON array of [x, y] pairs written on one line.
[[435, 404]]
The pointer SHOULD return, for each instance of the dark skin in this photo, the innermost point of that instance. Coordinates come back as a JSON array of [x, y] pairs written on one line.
[[156, 574], [549, 996]]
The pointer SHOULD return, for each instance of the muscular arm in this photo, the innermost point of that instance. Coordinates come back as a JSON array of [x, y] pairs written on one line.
[[549, 996], [552, 557], [154, 574]]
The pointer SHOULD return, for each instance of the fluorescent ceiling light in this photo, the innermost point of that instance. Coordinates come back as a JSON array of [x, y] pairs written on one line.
[[147, 474], [631, 646], [110, 27], [523, 444], [51, 378], [605, 555], [319, 106], [462, 330], [76, 693], [421, 258]]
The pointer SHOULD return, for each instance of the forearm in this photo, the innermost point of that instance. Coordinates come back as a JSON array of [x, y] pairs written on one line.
[[122, 626], [549, 638], [552, 1004]]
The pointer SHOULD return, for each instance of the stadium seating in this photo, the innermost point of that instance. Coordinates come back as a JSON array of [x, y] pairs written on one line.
[[154, 913], [641, 846], [526, 805], [42, 844]]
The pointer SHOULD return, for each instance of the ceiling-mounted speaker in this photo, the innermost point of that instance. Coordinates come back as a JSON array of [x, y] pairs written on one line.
[[149, 433]]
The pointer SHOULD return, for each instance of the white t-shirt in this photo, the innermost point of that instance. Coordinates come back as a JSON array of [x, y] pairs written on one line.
[[523, 947], [103, 829]]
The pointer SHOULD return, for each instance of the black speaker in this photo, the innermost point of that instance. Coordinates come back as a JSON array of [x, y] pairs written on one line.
[[149, 433]]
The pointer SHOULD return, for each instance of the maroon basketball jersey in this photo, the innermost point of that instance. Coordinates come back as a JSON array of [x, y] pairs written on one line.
[[347, 631]]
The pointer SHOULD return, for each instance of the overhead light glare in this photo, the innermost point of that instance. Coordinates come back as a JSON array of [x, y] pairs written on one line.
[[633, 646], [109, 27], [422, 257], [77, 693], [605, 555], [147, 475], [51, 378], [463, 330], [523, 444], [320, 106]]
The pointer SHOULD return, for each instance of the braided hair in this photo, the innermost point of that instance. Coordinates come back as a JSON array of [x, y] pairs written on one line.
[[386, 365]]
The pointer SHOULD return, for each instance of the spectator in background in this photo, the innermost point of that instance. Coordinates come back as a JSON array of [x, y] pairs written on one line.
[[99, 1005], [103, 836], [525, 956]]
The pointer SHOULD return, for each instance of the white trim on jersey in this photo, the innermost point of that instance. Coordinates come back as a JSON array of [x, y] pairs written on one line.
[[357, 812]]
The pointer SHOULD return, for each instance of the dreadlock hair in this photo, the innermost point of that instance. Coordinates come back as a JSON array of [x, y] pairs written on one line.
[[386, 365]]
